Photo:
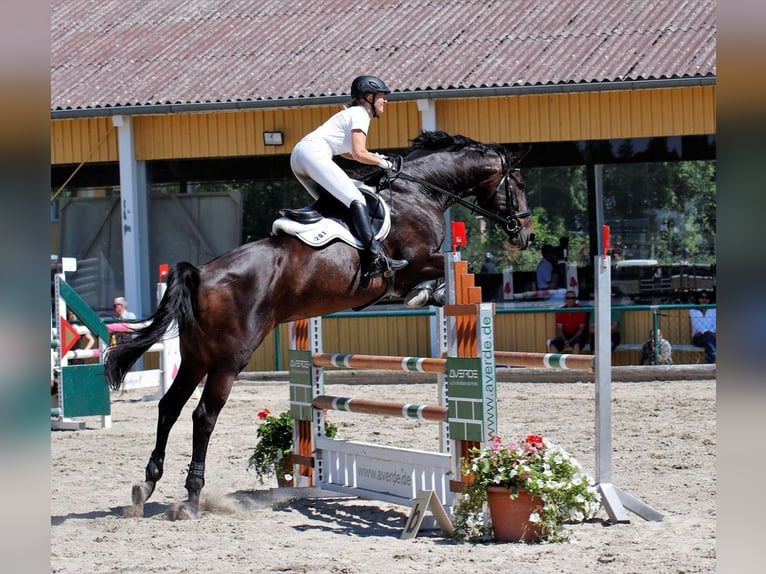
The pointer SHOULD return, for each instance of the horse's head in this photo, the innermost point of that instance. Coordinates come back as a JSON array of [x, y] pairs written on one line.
[[507, 198], [484, 171]]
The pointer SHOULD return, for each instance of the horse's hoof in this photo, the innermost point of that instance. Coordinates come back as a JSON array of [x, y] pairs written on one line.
[[186, 511], [439, 297], [140, 494], [138, 501], [417, 298]]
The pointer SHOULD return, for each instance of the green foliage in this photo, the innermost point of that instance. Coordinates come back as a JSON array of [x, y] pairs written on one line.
[[275, 442], [658, 210]]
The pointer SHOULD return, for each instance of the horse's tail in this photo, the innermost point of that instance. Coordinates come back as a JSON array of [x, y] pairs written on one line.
[[176, 305]]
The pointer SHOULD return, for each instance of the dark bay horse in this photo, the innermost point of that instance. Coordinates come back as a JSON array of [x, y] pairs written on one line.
[[225, 308]]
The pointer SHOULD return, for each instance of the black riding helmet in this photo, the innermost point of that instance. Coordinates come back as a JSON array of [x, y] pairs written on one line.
[[363, 85], [368, 85]]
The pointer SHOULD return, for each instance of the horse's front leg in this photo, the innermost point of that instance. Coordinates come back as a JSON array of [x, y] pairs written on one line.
[[204, 418], [430, 291], [169, 408]]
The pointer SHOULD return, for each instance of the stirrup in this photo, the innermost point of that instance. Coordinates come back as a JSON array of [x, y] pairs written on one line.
[[384, 266]]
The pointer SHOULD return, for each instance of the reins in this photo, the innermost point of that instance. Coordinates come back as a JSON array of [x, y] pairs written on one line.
[[474, 207]]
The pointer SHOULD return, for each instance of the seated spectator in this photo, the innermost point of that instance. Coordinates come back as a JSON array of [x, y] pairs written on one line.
[[546, 275], [570, 327], [86, 340], [703, 327], [120, 306], [663, 354], [616, 316], [489, 264]]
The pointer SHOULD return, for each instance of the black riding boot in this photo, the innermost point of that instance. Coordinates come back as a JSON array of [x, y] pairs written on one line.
[[379, 262]]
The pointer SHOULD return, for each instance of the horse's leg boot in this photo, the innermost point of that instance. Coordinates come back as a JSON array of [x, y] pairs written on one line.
[[380, 262]]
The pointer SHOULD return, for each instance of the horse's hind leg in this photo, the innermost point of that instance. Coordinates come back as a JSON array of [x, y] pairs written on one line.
[[204, 417], [169, 408]]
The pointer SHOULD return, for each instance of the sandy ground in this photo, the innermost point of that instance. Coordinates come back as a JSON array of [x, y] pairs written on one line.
[[664, 444]]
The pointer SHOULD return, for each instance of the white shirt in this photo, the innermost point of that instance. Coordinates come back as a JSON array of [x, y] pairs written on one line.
[[336, 131], [702, 320]]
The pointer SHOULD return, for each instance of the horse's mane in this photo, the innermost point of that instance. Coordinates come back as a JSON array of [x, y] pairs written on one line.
[[422, 145], [439, 140]]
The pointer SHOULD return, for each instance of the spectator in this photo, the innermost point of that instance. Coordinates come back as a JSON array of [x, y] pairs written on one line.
[[490, 280], [647, 352], [703, 327], [570, 327], [616, 320], [489, 264], [120, 307], [547, 277], [86, 340], [560, 268]]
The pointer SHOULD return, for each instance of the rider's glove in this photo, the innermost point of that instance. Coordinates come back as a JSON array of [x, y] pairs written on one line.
[[386, 164]]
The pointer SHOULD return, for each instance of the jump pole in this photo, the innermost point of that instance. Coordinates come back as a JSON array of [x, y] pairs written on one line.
[[614, 499], [560, 361]]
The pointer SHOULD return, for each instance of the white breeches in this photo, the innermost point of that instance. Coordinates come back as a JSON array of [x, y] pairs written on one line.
[[312, 164]]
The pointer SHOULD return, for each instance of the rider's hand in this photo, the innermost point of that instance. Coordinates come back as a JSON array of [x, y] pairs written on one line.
[[386, 164]]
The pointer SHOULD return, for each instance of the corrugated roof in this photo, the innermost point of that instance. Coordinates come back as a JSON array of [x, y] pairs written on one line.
[[107, 53]]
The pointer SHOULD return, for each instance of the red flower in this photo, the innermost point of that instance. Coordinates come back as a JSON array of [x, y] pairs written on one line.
[[534, 440], [264, 413]]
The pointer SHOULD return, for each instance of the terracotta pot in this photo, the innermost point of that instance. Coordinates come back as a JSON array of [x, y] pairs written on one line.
[[283, 482], [510, 517], [285, 468]]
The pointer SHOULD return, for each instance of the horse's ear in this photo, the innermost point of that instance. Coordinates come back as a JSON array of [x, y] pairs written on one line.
[[520, 154]]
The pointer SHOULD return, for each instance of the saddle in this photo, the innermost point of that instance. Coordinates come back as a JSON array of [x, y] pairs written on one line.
[[326, 220]]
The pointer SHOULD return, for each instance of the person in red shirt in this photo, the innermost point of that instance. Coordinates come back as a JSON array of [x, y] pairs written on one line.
[[570, 327]]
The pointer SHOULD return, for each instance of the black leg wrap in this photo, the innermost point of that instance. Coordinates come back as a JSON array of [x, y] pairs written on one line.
[[195, 479], [154, 469]]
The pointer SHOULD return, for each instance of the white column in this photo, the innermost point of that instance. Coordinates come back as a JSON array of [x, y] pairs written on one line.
[[427, 111], [134, 220], [427, 115]]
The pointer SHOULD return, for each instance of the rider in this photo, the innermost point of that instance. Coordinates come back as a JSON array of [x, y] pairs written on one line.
[[345, 134]]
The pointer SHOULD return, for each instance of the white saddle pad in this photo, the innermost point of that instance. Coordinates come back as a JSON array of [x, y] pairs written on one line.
[[326, 230]]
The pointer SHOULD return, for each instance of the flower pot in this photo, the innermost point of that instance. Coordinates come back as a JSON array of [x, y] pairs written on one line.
[[285, 468], [510, 517], [283, 482]]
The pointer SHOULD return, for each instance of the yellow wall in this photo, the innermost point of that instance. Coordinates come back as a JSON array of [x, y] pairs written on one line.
[[582, 116], [86, 139], [533, 118]]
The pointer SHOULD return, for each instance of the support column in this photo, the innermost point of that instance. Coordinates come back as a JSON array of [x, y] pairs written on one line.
[[427, 109], [134, 220]]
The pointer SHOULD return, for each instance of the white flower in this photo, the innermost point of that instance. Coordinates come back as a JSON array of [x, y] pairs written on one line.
[[534, 517]]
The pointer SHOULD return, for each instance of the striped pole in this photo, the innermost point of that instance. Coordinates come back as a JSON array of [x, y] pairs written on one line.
[[383, 408], [545, 360], [433, 365], [351, 361]]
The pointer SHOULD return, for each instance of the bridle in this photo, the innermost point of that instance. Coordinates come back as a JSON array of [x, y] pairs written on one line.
[[511, 224]]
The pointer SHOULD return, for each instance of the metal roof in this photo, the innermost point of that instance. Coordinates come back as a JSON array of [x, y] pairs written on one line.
[[108, 54]]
